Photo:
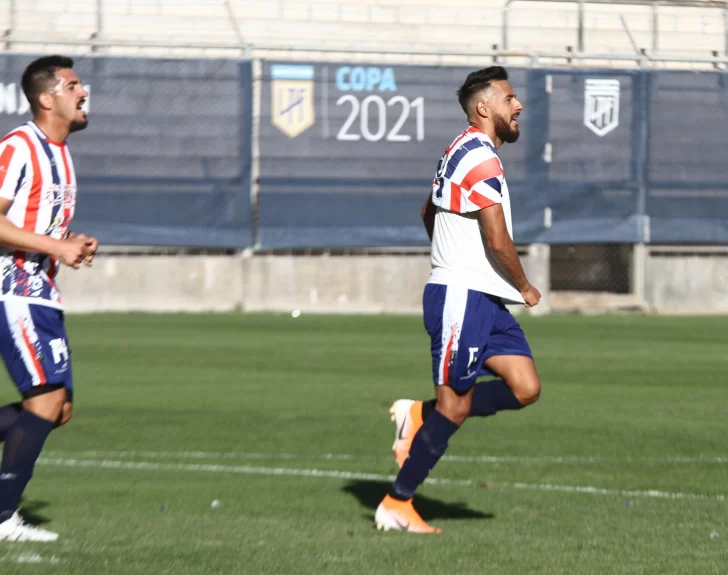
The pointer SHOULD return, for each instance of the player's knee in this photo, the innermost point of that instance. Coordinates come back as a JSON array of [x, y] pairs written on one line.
[[456, 409], [66, 414], [527, 390], [460, 414], [48, 404]]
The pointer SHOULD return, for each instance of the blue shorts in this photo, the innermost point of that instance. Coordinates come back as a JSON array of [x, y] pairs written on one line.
[[466, 328], [34, 346]]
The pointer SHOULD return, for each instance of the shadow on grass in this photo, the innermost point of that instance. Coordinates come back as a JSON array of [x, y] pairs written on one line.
[[371, 493], [31, 511]]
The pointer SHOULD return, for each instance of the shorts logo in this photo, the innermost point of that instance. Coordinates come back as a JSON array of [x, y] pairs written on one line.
[[60, 350]]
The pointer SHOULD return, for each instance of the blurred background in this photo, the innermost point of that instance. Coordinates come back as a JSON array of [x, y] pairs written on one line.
[[274, 154]]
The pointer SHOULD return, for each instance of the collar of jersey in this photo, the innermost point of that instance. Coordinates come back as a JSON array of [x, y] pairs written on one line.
[[43, 136]]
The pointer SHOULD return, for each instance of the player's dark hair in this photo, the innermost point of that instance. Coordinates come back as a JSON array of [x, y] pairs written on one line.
[[477, 81], [40, 77]]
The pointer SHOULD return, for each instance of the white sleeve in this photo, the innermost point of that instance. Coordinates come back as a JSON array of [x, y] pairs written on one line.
[[13, 161]]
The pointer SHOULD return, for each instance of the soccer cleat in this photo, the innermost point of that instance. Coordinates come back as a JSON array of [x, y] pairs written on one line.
[[407, 417], [16, 529], [395, 515]]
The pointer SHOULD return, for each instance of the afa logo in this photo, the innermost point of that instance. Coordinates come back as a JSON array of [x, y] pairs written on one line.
[[601, 106], [292, 93]]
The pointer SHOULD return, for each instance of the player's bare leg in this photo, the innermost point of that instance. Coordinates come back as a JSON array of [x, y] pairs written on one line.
[[23, 444], [66, 414], [456, 407], [520, 375]]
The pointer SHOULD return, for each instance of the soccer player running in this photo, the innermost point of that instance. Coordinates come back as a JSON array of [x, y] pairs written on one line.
[[37, 202], [475, 272]]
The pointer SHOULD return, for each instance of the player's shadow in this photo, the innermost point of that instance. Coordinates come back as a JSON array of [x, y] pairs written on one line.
[[371, 493], [31, 511]]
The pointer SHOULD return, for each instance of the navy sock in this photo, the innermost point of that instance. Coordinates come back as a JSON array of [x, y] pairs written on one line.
[[8, 414], [427, 408], [22, 448], [428, 445], [489, 397]]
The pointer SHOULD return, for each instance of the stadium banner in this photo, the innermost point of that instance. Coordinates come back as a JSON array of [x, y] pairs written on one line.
[[687, 172], [348, 152], [166, 157], [593, 182]]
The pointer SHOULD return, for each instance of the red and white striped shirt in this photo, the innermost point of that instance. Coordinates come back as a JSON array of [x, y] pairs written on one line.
[[469, 178], [37, 175]]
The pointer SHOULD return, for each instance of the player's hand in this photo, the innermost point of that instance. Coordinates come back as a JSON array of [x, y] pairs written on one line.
[[531, 296], [92, 246], [72, 251]]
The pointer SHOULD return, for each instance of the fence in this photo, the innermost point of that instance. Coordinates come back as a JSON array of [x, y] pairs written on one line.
[[686, 28], [341, 155]]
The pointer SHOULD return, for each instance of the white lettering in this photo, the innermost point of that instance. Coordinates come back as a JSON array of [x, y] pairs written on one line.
[[59, 349]]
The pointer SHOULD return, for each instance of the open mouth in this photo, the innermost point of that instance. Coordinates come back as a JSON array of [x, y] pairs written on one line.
[[514, 119]]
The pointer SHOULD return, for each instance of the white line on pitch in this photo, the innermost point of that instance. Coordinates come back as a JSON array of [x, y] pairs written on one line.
[[334, 474], [535, 460], [30, 558]]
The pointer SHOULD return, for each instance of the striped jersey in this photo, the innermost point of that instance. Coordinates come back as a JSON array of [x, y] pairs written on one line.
[[37, 175], [469, 178]]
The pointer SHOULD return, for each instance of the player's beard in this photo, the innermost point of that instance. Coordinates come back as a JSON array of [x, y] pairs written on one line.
[[504, 131], [77, 126]]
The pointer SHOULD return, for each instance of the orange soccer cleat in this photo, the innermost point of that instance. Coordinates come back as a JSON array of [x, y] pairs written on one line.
[[395, 515], [407, 416]]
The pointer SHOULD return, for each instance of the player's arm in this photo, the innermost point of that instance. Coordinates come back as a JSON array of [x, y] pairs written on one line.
[[14, 159], [428, 216], [493, 223], [70, 252]]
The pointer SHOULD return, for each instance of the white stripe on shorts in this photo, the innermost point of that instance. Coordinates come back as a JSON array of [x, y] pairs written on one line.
[[453, 316], [19, 321]]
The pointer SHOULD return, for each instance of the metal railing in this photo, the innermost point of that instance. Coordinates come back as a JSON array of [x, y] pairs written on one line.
[[654, 4], [99, 42], [533, 59]]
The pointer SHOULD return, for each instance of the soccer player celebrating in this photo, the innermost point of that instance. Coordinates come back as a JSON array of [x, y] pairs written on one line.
[[37, 202], [475, 272]]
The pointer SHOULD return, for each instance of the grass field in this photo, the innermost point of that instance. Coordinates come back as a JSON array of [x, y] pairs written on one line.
[[622, 467]]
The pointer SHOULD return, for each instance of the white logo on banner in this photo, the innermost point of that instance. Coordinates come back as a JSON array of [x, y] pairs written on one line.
[[601, 106]]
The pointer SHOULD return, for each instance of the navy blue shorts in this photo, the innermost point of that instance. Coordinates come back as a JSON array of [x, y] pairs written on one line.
[[34, 345], [466, 328]]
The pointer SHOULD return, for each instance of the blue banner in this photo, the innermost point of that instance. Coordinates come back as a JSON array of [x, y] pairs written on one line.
[[166, 157], [347, 152]]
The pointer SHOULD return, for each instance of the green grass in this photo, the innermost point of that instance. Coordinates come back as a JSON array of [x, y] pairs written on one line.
[[624, 399]]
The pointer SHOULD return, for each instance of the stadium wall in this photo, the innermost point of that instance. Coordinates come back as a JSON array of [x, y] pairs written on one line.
[[677, 280]]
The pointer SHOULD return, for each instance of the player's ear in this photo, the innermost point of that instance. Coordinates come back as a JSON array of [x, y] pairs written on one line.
[[45, 100], [481, 108]]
